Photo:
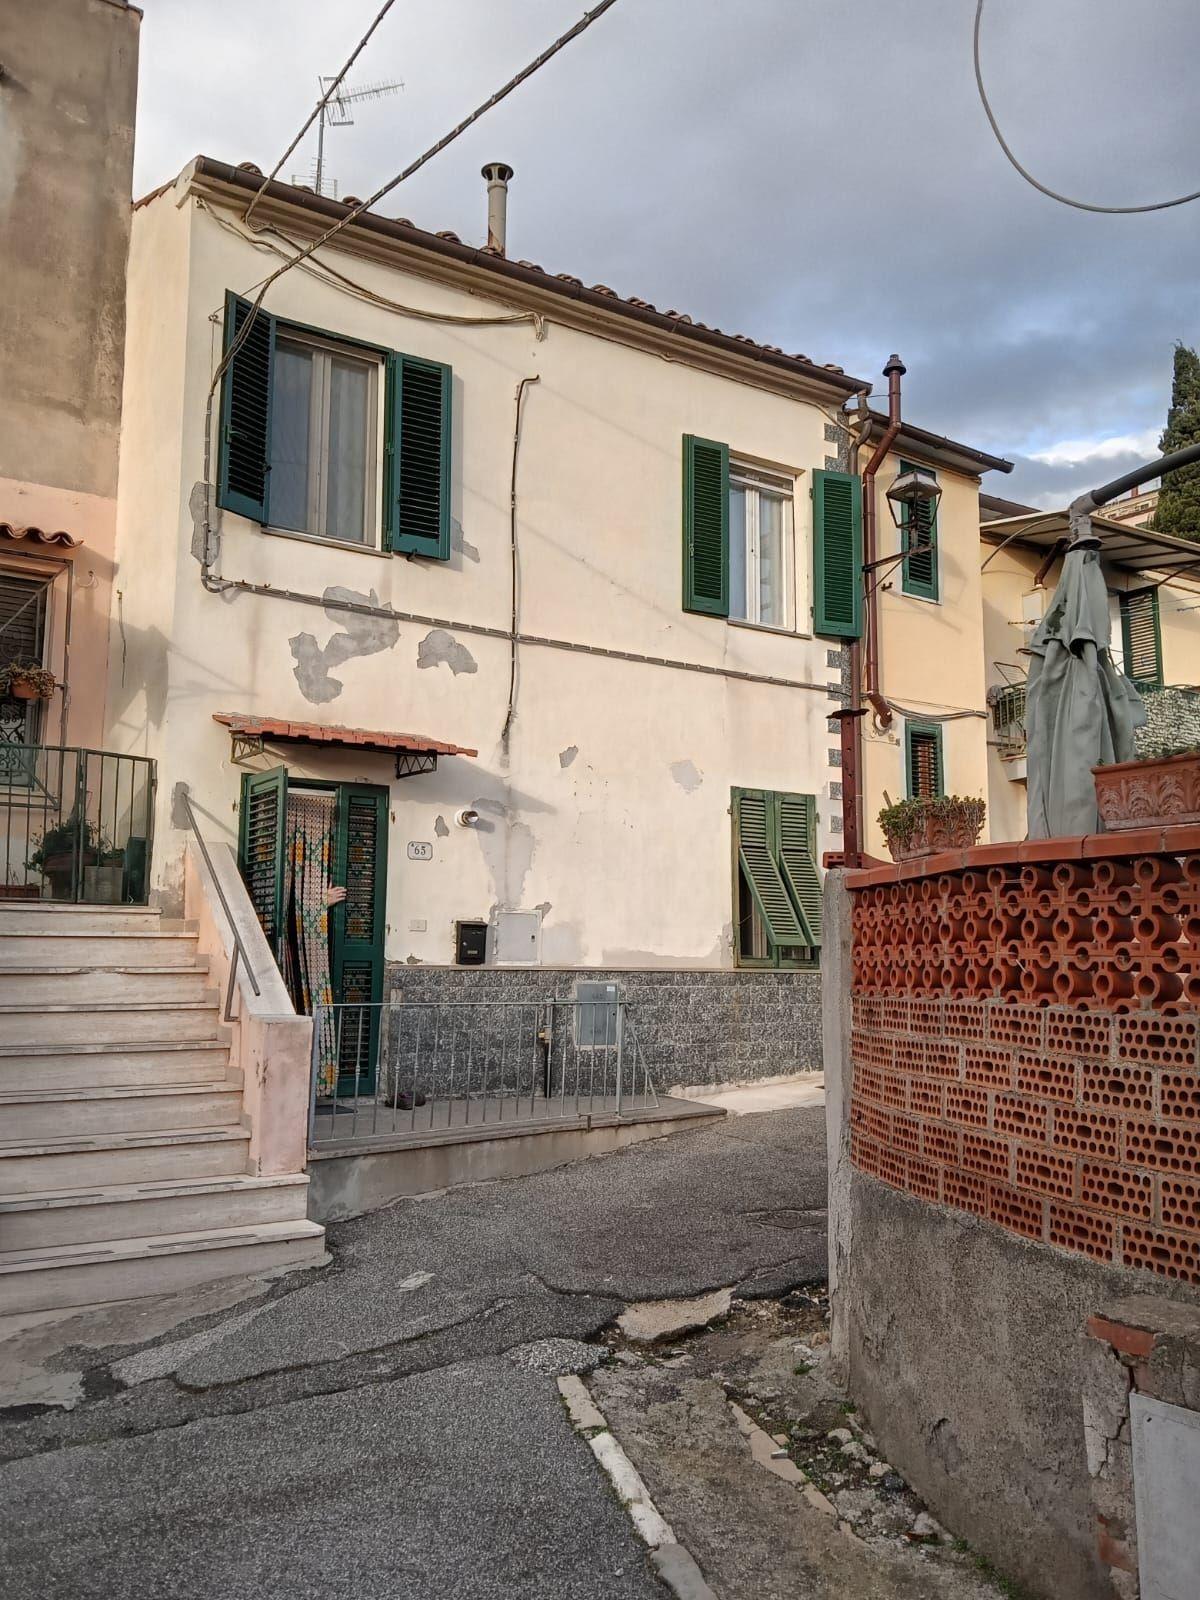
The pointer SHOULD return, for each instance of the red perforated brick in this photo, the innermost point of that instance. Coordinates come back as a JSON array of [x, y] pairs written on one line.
[[924, 1179], [1120, 1190], [966, 1191], [1013, 1114], [1171, 1255], [894, 1090], [1181, 1203], [864, 1153], [906, 1133], [877, 1124], [1045, 1173], [1117, 1086], [1180, 1095], [964, 1019], [894, 1013], [1160, 1041], [892, 1167], [1081, 1033], [925, 1016], [1165, 1146], [1019, 1213], [940, 1144], [867, 1012], [926, 1097], [985, 1155], [1085, 1133], [868, 1083], [1073, 1229], [871, 1049], [966, 1105], [934, 1057], [986, 1065], [1023, 1026], [1038, 1075]]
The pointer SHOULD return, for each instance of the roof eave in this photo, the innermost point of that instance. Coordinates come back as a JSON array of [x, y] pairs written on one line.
[[936, 448]]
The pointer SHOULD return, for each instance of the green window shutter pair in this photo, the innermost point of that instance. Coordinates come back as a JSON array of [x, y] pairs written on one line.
[[919, 535], [924, 764], [417, 424], [837, 538], [777, 847], [1141, 636]]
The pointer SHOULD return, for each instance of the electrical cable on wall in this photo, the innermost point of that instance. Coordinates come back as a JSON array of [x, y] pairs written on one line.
[[1063, 199], [516, 569]]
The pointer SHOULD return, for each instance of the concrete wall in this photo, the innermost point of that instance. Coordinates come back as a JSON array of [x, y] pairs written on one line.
[[66, 157]]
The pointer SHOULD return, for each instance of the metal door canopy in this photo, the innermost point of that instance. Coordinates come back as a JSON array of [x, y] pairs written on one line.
[[1166, 1483]]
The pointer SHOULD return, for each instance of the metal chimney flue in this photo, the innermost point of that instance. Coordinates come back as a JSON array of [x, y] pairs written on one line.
[[497, 174]]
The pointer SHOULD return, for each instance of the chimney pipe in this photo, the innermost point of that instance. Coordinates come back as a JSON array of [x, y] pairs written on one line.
[[497, 174]]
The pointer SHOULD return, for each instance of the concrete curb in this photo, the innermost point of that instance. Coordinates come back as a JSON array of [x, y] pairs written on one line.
[[670, 1560]]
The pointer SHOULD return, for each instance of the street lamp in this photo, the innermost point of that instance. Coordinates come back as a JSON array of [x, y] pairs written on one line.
[[913, 489]]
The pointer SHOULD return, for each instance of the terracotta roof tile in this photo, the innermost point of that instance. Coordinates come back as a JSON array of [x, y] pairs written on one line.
[[285, 730], [57, 536]]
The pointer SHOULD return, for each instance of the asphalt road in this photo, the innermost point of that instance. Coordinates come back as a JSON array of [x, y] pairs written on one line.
[[390, 1427]]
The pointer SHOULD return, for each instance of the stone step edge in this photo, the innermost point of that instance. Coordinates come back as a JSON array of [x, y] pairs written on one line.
[[111, 1048], [148, 1246], [13, 971], [92, 1094], [96, 1007], [154, 1189], [83, 1144]]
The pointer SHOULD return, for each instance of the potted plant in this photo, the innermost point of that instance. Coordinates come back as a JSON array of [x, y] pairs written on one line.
[[75, 840], [25, 680], [915, 828], [1160, 788]]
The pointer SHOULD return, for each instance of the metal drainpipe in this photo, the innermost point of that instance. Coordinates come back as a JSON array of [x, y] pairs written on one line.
[[893, 372]]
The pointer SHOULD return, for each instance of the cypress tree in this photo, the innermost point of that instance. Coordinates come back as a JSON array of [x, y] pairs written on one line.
[[1179, 498]]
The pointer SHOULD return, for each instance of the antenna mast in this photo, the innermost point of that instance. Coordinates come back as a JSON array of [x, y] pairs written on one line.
[[336, 113]]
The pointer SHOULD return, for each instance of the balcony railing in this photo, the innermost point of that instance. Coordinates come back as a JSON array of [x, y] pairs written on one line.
[[75, 825], [1172, 717]]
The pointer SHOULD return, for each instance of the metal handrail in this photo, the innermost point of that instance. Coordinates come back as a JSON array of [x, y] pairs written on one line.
[[239, 949]]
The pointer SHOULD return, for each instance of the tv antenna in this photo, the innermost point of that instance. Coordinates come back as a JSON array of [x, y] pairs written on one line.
[[337, 112]]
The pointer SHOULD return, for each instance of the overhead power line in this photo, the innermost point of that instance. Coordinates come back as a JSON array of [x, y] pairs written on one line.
[[1063, 199]]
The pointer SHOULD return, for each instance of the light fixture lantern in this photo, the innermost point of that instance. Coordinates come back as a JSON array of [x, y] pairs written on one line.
[[913, 488]]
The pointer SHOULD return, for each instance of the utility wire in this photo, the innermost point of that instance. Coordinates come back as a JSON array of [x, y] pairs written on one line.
[[1063, 199], [584, 23], [319, 107]]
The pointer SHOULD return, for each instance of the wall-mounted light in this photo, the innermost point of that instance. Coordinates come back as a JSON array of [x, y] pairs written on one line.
[[913, 488]]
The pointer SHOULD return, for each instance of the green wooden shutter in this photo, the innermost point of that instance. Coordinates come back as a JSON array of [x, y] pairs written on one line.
[[796, 846], [262, 830], [924, 769], [361, 864], [1141, 636], [918, 527], [244, 458], [417, 425], [753, 815], [705, 526], [837, 554]]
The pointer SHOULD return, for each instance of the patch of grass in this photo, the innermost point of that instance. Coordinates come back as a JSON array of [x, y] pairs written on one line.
[[803, 1369], [847, 1408], [1008, 1587]]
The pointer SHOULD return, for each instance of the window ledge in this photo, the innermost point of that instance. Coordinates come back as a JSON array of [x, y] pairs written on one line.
[[328, 544], [925, 599], [767, 627]]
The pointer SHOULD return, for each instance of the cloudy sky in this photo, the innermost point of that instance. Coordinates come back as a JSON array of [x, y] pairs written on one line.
[[815, 173]]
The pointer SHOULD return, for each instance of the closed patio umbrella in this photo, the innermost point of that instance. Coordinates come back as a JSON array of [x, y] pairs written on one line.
[[1080, 711]]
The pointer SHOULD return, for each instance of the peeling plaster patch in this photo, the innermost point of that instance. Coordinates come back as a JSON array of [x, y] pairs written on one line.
[[196, 504], [459, 541], [507, 846], [621, 957], [441, 827], [438, 647], [686, 775], [545, 907], [565, 757], [359, 636]]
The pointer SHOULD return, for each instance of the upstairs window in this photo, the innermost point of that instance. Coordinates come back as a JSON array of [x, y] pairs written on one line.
[[761, 548], [925, 775], [333, 439], [1141, 637], [919, 541], [22, 638]]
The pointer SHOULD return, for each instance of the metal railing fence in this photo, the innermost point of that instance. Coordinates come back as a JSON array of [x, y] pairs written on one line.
[[75, 825], [424, 1067], [240, 952]]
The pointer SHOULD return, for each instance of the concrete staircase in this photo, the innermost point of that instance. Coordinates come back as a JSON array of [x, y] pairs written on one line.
[[123, 1152]]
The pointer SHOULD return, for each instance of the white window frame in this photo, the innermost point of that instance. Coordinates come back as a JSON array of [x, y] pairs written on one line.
[[318, 434], [751, 480]]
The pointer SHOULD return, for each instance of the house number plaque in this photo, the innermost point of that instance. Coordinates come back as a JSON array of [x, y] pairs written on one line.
[[418, 850]]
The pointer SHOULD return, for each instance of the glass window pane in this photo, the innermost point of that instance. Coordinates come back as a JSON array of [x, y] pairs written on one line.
[[737, 553], [345, 508], [772, 608], [291, 409]]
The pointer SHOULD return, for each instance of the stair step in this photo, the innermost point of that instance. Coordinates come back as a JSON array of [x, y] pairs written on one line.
[[37, 1165], [141, 1210], [112, 1066], [85, 984], [27, 1115], [49, 948], [125, 1269], [109, 1022], [26, 916]]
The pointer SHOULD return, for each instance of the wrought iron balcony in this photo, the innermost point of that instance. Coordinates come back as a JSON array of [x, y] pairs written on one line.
[[75, 825]]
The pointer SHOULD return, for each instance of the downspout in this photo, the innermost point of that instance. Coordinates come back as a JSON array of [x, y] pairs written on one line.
[[893, 372]]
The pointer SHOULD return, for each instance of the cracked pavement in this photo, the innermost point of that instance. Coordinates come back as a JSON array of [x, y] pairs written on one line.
[[390, 1426]]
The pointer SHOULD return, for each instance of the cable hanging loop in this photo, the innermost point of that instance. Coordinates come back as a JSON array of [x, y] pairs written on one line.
[[1053, 194]]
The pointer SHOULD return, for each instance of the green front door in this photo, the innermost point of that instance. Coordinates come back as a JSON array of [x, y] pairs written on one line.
[[360, 862]]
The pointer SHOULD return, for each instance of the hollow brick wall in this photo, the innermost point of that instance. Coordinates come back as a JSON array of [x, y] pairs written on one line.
[[1025, 1048]]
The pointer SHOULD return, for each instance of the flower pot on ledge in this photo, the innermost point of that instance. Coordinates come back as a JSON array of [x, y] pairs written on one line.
[[1160, 792], [917, 828]]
